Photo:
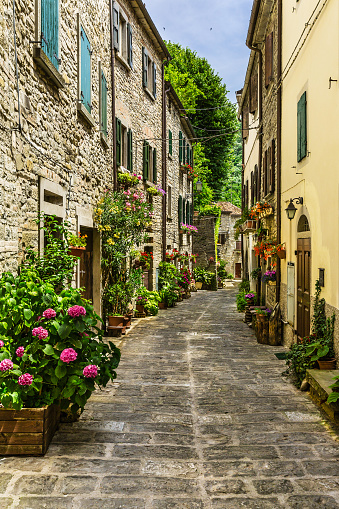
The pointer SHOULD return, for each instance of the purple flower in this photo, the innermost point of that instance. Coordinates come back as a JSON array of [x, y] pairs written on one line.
[[90, 371], [68, 355], [25, 379], [49, 313], [6, 365], [40, 332], [20, 351], [75, 311]]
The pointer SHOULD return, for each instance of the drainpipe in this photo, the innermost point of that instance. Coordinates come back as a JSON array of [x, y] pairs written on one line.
[[164, 162], [115, 172], [279, 107]]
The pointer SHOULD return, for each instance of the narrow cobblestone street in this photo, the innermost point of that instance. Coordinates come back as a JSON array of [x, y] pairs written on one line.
[[199, 418]]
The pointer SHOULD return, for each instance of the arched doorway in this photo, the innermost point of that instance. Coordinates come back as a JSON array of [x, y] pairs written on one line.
[[303, 277]]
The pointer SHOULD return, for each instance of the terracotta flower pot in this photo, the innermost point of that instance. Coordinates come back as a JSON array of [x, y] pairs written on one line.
[[76, 251], [281, 254], [140, 308], [162, 305], [115, 321], [327, 364], [198, 285]]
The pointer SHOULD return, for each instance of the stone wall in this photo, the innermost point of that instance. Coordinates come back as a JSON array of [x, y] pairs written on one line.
[[204, 241], [228, 251], [57, 145]]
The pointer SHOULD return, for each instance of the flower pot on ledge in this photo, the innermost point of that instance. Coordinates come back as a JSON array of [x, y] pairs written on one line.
[[281, 254], [327, 364], [76, 251]]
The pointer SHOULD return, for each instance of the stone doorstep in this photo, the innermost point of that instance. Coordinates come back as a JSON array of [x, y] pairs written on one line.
[[320, 380]]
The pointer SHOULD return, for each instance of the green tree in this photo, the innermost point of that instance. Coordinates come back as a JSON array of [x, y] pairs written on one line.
[[212, 114], [232, 187]]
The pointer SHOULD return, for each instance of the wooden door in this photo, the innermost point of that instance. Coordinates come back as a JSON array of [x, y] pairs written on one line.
[[303, 287], [86, 266], [238, 271]]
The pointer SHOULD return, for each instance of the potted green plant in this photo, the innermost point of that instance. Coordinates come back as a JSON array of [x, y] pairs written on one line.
[[51, 353], [77, 244]]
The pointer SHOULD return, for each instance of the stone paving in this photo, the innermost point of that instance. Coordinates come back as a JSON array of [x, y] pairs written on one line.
[[199, 418]]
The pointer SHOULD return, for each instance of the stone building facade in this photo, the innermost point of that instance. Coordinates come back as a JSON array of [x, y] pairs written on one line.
[[56, 123], [228, 248], [258, 108], [179, 183]]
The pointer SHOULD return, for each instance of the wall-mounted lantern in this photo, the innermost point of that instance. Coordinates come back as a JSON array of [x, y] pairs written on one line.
[[291, 209]]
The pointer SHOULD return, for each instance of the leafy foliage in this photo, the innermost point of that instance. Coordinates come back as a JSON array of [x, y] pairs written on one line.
[[212, 114], [298, 361], [232, 187], [55, 264]]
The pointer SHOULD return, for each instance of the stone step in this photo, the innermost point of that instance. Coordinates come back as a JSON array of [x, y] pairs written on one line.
[[320, 381]]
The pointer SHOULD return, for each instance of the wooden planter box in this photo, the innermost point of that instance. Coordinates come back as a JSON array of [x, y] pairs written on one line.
[[28, 431], [77, 251]]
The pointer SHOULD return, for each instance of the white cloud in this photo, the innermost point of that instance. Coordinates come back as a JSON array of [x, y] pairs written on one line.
[[188, 22]]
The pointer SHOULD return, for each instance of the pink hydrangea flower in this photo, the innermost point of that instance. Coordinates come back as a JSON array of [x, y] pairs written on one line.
[[90, 371], [6, 365], [1, 343], [49, 313], [40, 332], [25, 379], [128, 204], [68, 355], [75, 311], [20, 351]]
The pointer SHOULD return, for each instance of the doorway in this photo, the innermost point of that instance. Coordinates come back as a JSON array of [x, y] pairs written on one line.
[[303, 286], [238, 271]]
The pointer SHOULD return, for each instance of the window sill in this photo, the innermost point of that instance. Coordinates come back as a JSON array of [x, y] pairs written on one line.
[[103, 138], [46, 65], [122, 61], [85, 114], [149, 94]]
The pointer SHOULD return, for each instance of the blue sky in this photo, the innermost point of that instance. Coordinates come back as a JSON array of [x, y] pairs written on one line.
[[189, 23]]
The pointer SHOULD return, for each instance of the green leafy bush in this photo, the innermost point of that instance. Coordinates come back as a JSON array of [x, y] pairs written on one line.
[[150, 300], [202, 275], [298, 361], [51, 348]]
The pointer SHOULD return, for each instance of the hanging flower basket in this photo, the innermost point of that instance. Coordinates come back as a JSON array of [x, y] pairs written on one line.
[[281, 254]]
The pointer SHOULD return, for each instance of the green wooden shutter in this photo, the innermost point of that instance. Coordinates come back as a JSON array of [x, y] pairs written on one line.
[[180, 147], [118, 146], [154, 79], [191, 213], [184, 150], [50, 30], [170, 143], [116, 28], [302, 128], [187, 212], [183, 218], [130, 150], [191, 157], [85, 71], [155, 176], [179, 210], [129, 45], [146, 160], [103, 104], [188, 155], [144, 67]]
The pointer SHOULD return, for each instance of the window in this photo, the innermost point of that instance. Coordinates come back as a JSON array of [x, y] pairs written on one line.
[[50, 30], [222, 238], [302, 128], [180, 204], [122, 36], [84, 75], [119, 141], [169, 201], [103, 104], [180, 147], [269, 59], [303, 224], [149, 73], [254, 93], [129, 150], [245, 122], [170, 143], [46, 51], [149, 163], [188, 215]]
